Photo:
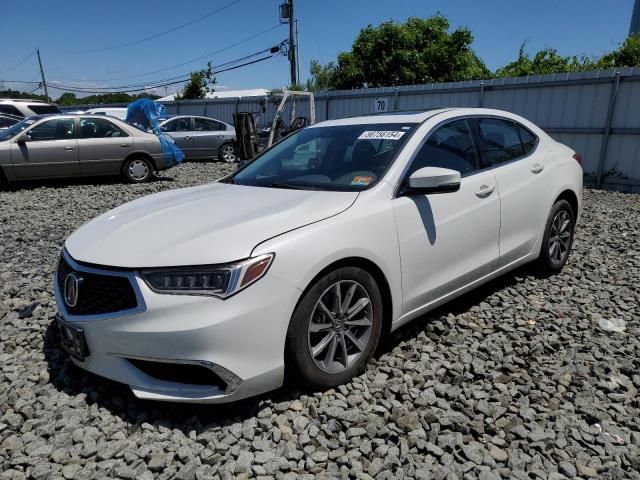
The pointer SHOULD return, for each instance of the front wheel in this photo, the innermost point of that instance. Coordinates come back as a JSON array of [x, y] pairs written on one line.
[[137, 170], [227, 153], [335, 328], [558, 237]]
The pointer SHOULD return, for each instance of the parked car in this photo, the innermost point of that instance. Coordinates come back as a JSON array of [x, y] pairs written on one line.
[[56, 146], [202, 138], [118, 112], [7, 120], [303, 262], [22, 107]]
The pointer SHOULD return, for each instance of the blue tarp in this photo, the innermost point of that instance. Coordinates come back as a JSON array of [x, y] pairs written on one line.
[[146, 113]]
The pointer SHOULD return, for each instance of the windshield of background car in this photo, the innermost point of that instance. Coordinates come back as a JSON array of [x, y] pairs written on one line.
[[17, 128], [342, 157]]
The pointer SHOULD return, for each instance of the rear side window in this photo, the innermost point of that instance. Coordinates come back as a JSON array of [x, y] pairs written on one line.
[[44, 109], [205, 125], [528, 139], [7, 122], [11, 110], [499, 141], [99, 128], [177, 125], [449, 146]]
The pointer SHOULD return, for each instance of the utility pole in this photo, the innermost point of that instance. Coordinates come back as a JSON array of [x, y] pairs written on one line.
[[292, 46], [44, 82], [297, 51]]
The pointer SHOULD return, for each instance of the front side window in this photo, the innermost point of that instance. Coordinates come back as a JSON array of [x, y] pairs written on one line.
[[99, 128], [177, 125], [499, 141], [205, 125], [341, 157], [56, 129], [449, 146], [16, 129]]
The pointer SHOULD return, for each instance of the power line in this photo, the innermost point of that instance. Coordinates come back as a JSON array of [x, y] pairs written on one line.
[[240, 42], [151, 37], [19, 63], [218, 68], [69, 88]]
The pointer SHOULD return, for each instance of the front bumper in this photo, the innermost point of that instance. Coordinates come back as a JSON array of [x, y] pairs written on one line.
[[241, 339]]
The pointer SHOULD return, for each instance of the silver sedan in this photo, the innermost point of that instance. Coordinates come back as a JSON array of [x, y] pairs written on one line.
[[202, 138], [58, 146]]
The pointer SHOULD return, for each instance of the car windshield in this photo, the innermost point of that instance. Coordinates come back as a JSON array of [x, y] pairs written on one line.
[[341, 157], [14, 130]]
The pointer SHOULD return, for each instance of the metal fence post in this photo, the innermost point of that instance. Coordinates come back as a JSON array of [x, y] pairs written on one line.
[[481, 94], [395, 99], [607, 128], [326, 107]]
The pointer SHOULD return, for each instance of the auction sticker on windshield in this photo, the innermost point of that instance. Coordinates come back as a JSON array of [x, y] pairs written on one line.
[[381, 135], [361, 180]]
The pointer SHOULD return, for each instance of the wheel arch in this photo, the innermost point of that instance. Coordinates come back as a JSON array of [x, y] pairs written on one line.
[[571, 197], [142, 154], [375, 271]]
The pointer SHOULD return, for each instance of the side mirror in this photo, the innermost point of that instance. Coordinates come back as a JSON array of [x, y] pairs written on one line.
[[24, 138], [429, 180]]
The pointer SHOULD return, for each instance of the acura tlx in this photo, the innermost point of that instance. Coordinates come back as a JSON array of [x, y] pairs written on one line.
[[303, 259]]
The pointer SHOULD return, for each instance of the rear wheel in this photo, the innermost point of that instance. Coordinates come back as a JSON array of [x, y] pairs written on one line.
[[558, 237], [227, 153], [137, 170], [335, 328]]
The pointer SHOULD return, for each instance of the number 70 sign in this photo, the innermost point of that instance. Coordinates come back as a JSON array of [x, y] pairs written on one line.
[[380, 104]]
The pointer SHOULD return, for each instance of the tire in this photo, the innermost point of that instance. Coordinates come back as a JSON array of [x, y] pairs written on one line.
[[137, 170], [558, 238], [311, 326], [227, 153]]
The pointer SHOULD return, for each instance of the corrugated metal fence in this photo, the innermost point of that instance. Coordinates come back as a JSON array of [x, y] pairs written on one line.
[[596, 113]]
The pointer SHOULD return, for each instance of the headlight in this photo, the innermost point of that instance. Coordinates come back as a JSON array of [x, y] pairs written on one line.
[[217, 280]]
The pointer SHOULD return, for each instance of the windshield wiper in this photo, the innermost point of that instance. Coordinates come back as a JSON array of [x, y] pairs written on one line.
[[286, 185]]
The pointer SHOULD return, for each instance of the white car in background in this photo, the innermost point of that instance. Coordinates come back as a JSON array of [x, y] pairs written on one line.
[[118, 112], [307, 256]]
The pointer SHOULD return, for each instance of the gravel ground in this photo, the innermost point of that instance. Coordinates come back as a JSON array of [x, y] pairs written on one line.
[[522, 378]]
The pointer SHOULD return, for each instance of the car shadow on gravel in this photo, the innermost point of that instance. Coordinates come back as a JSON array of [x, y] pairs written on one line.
[[118, 399]]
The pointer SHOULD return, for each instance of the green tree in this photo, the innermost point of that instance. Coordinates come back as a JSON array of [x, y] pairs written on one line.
[[68, 98], [628, 55], [322, 76], [543, 62], [416, 51], [199, 85]]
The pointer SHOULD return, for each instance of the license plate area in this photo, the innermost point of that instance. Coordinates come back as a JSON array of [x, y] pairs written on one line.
[[72, 339]]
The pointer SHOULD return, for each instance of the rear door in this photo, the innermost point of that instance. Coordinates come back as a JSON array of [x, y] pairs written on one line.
[[181, 130], [102, 146], [208, 136], [510, 150], [447, 240], [51, 152]]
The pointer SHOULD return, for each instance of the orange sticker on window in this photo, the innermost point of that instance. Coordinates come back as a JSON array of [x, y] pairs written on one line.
[[358, 180]]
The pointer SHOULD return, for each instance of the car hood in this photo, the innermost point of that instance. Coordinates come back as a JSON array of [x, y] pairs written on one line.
[[210, 224]]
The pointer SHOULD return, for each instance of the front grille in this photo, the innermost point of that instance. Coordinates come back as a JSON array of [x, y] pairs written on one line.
[[98, 294]]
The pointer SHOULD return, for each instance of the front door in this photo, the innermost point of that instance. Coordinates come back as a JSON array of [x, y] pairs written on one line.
[[447, 240], [52, 150], [181, 131]]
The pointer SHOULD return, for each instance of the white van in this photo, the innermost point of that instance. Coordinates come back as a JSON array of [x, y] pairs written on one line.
[[118, 112]]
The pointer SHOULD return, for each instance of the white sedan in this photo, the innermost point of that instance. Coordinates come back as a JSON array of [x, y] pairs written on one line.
[[305, 258]]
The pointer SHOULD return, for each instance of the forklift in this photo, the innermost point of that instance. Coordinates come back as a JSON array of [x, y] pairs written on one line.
[[250, 142]]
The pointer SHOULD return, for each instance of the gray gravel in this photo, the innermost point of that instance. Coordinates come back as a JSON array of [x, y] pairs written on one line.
[[516, 380]]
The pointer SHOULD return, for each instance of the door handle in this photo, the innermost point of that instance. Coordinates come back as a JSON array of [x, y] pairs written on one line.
[[69, 149], [485, 191], [124, 145], [537, 168], [187, 137]]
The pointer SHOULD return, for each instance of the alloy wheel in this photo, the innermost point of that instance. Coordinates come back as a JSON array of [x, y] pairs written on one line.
[[340, 326], [138, 170], [560, 237], [228, 153]]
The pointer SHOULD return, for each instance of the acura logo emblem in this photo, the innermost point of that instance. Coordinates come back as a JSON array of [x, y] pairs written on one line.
[[72, 284]]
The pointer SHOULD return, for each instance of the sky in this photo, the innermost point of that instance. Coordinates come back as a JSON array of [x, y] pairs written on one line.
[[72, 35]]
